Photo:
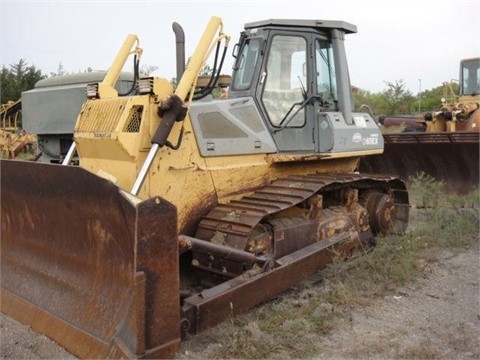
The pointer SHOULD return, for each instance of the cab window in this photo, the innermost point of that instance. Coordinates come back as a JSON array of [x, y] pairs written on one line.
[[325, 67], [246, 64], [471, 77], [285, 79]]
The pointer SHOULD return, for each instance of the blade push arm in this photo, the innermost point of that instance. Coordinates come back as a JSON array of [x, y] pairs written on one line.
[[172, 108]]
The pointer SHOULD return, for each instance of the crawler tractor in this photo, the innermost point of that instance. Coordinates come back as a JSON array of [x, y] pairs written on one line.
[[185, 210]]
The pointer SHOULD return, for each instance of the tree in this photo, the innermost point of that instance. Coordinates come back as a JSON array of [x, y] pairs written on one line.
[[148, 70], [430, 100], [60, 71], [365, 99], [20, 77], [206, 70], [398, 100]]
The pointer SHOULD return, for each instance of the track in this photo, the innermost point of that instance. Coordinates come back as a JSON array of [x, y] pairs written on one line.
[[238, 218]]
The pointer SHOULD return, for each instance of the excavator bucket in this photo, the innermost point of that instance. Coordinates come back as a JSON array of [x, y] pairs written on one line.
[[87, 264]]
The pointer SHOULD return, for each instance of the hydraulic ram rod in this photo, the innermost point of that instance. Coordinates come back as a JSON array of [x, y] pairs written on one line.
[[186, 82]]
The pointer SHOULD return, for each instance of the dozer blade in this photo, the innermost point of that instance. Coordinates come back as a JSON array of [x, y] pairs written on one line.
[[450, 157], [88, 265]]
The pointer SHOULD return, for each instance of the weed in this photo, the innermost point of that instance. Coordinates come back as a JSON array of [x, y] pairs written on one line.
[[425, 191]]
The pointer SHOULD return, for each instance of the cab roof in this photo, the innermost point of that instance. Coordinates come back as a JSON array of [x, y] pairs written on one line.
[[317, 24]]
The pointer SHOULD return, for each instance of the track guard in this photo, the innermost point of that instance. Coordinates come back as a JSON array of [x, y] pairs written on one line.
[[88, 265]]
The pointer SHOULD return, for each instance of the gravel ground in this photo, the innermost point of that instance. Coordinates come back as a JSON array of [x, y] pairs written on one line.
[[435, 317]]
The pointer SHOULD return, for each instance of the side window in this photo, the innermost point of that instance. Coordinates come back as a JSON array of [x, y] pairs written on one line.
[[285, 78], [325, 67], [246, 65]]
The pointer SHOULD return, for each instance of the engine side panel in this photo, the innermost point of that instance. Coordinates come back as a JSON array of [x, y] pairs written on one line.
[[230, 127]]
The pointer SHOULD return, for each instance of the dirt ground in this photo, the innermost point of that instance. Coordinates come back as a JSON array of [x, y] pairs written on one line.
[[435, 317]]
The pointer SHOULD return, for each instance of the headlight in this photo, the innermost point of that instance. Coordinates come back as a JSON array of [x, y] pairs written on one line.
[[92, 90], [145, 86]]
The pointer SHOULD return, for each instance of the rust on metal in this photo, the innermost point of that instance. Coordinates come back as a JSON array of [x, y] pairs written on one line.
[[85, 265], [432, 137], [264, 242], [219, 251], [402, 121], [214, 305], [238, 223], [380, 208], [96, 269], [449, 157]]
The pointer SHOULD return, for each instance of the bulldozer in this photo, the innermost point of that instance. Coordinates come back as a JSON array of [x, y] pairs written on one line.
[[184, 209], [443, 144]]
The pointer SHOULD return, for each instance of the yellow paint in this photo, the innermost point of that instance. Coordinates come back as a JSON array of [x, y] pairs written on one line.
[[107, 145], [193, 183]]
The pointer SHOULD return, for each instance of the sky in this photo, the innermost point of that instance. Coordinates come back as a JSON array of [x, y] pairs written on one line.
[[418, 42]]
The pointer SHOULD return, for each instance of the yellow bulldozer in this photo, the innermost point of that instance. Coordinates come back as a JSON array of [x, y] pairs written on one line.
[[186, 209], [444, 144]]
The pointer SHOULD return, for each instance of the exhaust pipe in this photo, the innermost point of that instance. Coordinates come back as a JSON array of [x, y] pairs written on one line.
[[180, 49]]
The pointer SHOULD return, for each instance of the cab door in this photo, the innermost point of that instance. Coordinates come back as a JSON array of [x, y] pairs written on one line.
[[283, 89]]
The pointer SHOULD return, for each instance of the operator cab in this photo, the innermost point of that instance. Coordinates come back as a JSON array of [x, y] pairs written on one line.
[[295, 74]]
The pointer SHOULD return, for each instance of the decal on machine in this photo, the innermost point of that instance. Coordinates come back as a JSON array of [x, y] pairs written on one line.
[[102, 135], [371, 140], [357, 138], [360, 121]]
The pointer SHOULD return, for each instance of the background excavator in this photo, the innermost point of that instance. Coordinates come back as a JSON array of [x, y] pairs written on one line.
[[184, 210], [443, 144]]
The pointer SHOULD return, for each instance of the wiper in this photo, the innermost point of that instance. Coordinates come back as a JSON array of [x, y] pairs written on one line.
[[288, 119], [304, 91]]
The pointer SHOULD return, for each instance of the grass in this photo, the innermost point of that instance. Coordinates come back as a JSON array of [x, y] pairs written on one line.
[[287, 326]]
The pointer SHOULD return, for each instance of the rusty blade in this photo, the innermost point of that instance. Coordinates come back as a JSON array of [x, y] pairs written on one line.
[[78, 257], [452, 158]]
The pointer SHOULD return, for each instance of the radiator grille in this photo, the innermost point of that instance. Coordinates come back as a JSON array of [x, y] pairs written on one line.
[[101, 115]]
